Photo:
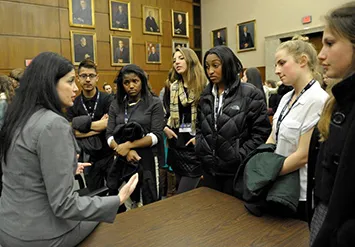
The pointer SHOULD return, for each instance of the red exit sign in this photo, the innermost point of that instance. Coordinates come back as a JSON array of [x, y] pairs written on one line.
[[307, 19]]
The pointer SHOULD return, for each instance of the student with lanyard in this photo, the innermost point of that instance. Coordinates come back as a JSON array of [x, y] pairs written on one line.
[[231, 120], [95, 104], [298, 111], [135, 103], [181, 126]]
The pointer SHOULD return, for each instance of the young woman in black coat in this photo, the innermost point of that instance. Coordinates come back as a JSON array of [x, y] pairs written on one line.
[[333, 222], [184, 94], [231, 120], [136, 104]]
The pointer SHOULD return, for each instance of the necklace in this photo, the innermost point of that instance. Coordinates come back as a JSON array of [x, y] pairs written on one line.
[[134, 103]]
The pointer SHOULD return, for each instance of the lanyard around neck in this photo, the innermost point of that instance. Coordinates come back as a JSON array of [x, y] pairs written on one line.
[[283, 113], [217, 109], [86, 109]]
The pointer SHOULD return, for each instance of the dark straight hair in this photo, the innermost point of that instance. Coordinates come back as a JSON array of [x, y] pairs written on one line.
[[231, 65], [254, 77], [38, 90], [131, 69], [88, 64]]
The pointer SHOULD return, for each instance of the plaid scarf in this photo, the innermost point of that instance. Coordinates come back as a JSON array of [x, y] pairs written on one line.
[[177, 92]]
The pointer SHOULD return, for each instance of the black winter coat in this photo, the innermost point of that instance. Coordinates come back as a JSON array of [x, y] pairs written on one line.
[[335, 171], [242, 126]]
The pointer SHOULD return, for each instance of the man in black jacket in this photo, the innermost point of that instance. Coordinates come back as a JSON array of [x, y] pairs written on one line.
[[94, 104]]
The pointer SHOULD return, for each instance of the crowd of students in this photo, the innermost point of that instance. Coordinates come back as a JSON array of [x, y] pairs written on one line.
[[214, 125]]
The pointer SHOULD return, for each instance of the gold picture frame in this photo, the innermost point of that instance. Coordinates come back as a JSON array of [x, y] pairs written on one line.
[[152, 20], [219, 37], [246, 36], [83, 46], [81, 13], [180, 43], [180, 23], [120, 15], [121, 50], [153, 52]]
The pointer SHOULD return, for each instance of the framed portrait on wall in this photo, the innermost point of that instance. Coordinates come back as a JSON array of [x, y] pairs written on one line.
[[120, 15], [219, 37], [83, 46], [178, 43], [152, 21], [153, 51], [246, 36], [180, 23], [121, 50], [82, 13]]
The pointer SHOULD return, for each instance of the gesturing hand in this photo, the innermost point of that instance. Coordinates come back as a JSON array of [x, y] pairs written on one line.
[[81, 167], [128, 188]]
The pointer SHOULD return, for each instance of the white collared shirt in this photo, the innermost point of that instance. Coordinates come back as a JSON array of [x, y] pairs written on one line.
[[303, 116]]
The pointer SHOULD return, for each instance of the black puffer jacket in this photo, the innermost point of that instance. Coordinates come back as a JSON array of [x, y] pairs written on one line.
[[242, 126]]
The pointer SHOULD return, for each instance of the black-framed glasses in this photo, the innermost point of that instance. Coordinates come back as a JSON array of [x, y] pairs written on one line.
[[84, 76]]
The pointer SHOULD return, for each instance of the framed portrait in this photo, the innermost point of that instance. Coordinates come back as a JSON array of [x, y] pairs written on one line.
[[82, 13], [153, 52], [180, 23], [120, 15], [152, 21], [219, 37], [246, 36], [121, 50], [83, 46], [178, 43]]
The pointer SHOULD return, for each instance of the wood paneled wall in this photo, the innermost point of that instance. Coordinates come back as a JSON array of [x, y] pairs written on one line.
[[34, 26], [262, 72]]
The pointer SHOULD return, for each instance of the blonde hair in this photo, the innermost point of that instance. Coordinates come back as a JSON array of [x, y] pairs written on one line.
[[298, 47], [300, 37], [196, 79], [340, 22]]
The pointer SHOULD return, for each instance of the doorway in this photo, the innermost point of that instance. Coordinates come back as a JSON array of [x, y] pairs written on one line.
[[314, 38]]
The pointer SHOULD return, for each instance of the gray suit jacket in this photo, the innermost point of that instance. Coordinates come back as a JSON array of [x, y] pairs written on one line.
[[37, 199]]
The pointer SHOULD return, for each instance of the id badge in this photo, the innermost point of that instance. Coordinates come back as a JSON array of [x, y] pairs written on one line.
[[185, 128]]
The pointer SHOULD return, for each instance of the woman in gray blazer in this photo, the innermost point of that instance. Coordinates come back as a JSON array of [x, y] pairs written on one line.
[[38, 206]]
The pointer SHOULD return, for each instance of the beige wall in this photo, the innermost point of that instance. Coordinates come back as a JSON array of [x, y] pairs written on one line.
[[272, 17]]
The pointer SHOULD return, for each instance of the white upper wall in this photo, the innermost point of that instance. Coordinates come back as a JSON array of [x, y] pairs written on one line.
[[272, 17]]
